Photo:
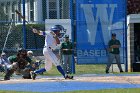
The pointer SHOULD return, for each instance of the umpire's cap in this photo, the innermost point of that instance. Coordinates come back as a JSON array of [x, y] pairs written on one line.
[[57, 28], [113, 34], [30, 52]]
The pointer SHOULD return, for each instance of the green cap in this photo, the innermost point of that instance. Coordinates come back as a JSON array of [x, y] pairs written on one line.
[[66, 36]]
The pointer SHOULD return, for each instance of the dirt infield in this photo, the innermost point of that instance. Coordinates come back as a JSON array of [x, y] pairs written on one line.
[[110, 78], [113, 79]]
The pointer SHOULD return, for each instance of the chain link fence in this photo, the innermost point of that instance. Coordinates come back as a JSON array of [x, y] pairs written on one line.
[[12, 35], [35, 12]]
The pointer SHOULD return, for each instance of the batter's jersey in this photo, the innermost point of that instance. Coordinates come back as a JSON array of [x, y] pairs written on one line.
[[49, 39]]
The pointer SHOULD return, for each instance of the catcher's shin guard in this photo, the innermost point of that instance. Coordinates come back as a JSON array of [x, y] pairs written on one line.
[[26, 73], [59, 68], [8, 74]]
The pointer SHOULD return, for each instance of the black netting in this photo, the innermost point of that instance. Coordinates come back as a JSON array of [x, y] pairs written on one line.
[[36, 11]]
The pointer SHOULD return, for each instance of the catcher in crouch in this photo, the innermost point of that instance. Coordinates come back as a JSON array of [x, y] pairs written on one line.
[[19, 64], [51, 42]]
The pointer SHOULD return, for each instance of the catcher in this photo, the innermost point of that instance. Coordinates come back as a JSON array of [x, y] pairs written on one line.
[[21, 64]]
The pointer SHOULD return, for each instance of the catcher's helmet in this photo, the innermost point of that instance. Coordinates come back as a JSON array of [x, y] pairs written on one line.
[[59, 28], [22, 50]]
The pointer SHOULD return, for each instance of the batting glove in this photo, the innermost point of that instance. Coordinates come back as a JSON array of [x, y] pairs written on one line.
[[35, 31]]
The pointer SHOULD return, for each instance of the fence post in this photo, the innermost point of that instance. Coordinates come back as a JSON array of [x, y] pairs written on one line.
[[24, 26]]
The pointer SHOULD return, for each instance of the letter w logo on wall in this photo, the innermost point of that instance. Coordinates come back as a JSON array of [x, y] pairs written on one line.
[[103, 16]]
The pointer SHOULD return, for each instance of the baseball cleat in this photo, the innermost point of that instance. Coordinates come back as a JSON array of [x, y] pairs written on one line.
[[6, 78], [66, 77], [107, 72], [70, 77], [33, 75]]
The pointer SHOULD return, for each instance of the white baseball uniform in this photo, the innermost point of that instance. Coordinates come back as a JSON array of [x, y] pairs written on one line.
[[50, 57]]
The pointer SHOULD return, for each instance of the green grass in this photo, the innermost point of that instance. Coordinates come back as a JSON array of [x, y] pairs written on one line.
[[80, 69], [83, 69], [86, 69], [90, 69], [134, 90]]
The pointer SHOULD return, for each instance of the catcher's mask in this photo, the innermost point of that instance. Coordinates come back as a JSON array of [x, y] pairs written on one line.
[[58, 29], [22, 52]]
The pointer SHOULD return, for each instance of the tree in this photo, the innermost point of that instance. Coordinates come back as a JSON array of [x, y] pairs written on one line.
[[133, 7]]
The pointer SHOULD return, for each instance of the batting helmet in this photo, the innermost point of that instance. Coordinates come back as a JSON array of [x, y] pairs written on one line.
[[59, 28]]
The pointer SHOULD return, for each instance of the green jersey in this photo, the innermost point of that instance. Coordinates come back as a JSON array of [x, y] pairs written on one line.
[[114, 42], [21, 61], [66, 45]]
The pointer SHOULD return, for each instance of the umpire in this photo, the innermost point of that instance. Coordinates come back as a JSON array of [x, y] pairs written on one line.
[[114, 53], [66, 55]]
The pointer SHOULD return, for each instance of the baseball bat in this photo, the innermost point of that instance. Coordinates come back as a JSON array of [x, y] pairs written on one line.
[[21, 16]]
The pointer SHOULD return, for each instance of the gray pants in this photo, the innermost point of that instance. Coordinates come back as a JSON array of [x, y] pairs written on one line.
[[110, 60], [67, 63]]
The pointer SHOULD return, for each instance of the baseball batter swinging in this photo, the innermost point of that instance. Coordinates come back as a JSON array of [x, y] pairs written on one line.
[[51, 41]]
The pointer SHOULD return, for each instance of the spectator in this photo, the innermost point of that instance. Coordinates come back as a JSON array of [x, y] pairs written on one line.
[[3, 62]]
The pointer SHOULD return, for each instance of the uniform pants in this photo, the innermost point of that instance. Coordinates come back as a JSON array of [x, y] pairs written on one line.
[[67, 63], [110, 60], [50, 58]]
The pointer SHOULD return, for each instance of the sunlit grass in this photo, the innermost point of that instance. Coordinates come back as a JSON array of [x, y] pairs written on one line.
[[86, 69], [129, 90], [80, 69]]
